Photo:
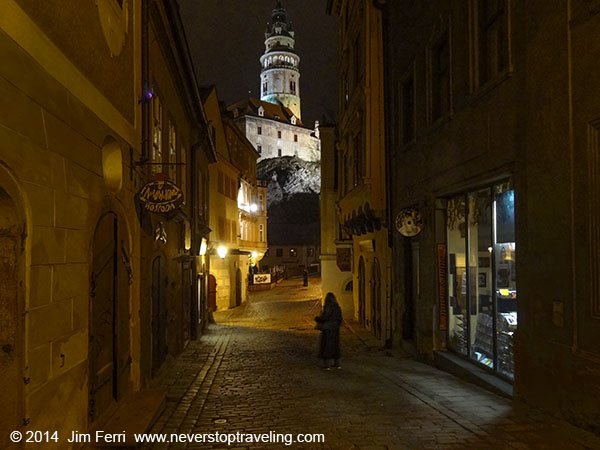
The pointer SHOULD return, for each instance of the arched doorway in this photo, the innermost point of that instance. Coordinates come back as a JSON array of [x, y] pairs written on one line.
[[109, 356], [159, 312], [376, 299], [11, 343], [238, 288], [362, 314], [212, 293]]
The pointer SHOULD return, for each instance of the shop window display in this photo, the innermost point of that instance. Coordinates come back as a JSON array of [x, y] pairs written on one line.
[[457, 275], [482, 277]]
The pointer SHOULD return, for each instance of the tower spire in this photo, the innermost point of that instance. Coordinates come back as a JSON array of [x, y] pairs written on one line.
[[280, 74]]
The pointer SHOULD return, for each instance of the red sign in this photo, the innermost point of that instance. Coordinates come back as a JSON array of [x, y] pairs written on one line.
[[161, 197]]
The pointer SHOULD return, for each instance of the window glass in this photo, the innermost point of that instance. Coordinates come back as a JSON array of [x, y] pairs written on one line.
[[505, 252], [482, 288], [481, 317], [457, 274], [156, 156]]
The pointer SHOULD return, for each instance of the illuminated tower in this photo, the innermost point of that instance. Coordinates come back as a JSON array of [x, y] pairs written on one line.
[[280, 75]]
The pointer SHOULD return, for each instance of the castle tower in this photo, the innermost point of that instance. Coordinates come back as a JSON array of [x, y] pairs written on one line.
[[280, 75]]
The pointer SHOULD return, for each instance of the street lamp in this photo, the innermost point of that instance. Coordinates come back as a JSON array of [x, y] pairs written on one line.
[[222, 251]]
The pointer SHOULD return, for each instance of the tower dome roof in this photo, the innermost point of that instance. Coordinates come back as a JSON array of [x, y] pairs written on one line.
[[279, 25]]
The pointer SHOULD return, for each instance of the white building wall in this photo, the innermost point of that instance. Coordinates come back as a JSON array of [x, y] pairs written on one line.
[[268, 143]]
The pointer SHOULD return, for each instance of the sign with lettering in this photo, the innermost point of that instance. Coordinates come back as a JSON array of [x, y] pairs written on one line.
[[262, 278], [161, 197]]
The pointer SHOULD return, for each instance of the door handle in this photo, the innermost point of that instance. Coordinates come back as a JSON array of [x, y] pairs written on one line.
[[7, 348]]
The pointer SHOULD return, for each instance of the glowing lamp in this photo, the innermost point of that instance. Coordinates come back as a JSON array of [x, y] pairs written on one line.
[[222, 251], [203, 247], [253, 207]]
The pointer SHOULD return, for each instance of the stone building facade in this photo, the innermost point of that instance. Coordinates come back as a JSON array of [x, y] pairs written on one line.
[[492, 133], [275, 131], [361, 163], [176, 145], [238, 210], [74, 293], [335, 257]]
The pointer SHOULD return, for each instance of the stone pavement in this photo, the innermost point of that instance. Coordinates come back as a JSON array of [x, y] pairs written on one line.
[[255, 371]]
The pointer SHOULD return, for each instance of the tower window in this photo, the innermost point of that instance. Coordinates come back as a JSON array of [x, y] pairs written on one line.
[[261, 111], [259, 149], [265, 87], [279, 134], [295, 138], [259, 130], [293, 87], [278, 152]]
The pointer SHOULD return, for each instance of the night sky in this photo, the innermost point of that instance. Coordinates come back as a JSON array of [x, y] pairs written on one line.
[[226, 39]]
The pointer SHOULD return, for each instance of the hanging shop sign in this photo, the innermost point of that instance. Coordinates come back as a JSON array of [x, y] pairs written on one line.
[[262, 278], [161, 197], [409, 222]]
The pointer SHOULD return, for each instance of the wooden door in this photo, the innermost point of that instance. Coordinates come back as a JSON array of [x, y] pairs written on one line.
[[186, 293], [238, 288], [103, 387], [159, 313], [361, 293], [10, 394], [212, 293], [376, 299]]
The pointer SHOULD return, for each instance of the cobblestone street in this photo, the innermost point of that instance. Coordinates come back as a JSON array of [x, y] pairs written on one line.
[[256, 371]]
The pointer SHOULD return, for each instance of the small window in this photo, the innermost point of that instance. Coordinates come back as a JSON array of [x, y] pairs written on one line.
[[493, 51], [265, 87], [295, 138], [279, 134], [408, 109], [278, 152], [261, 111], [261, 233], [440, 78], [259, 149], [348, 286], [279, 252], [293, 252], [259, 130]]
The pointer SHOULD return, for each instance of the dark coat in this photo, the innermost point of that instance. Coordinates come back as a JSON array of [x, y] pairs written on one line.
[[329, 322]]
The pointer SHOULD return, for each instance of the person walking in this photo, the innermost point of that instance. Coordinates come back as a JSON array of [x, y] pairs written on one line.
[[329, 322]]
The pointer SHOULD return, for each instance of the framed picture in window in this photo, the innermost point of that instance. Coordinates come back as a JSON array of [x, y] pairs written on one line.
[[482, 280]]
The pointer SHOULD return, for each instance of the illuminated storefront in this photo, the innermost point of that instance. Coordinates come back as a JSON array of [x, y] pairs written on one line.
[[482, 288]]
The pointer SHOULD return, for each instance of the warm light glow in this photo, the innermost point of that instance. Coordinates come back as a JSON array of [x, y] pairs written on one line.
[[188, 236], [253, 207], [203, 247], [254, 255], [222, 251]]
